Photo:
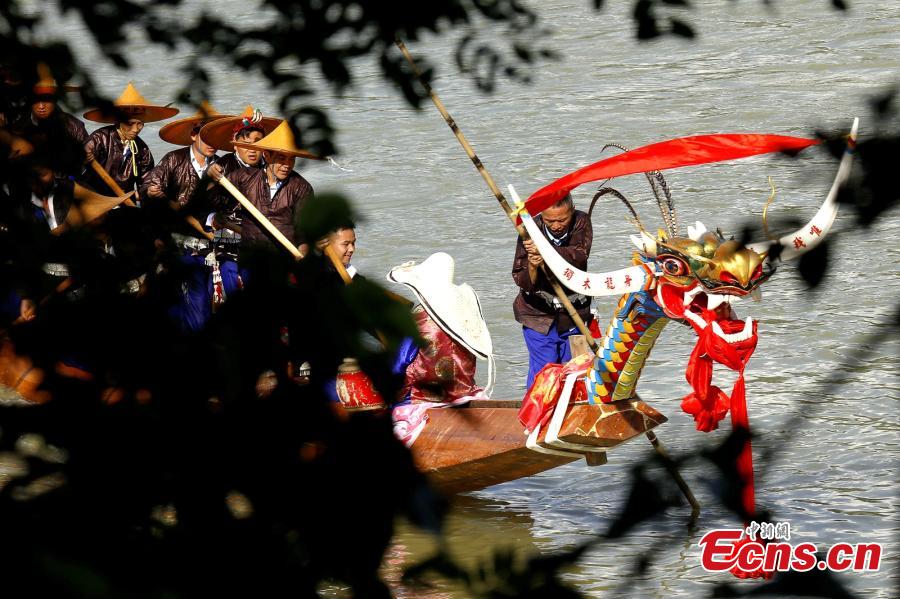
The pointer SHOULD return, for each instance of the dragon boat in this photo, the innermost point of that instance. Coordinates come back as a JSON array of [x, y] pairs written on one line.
[[581, 411]]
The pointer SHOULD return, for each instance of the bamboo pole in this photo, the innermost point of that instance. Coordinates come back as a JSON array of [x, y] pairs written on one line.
[[557, 288], [345, 276], [259, 217]]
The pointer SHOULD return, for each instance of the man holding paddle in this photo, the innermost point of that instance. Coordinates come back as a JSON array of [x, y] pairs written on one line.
[[117, 147], [545, 323], [176, 179], [277, 191], [250, 126]]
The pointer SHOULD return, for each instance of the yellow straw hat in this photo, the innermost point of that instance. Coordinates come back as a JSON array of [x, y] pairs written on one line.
[[46, 85], [132, 103], [280, 140], [220, 134], [179, 132]]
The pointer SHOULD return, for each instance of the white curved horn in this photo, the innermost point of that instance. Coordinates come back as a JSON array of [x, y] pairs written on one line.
[[594, 284], [812, 233]]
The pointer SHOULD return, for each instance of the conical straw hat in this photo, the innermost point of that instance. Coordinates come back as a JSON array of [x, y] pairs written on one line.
[[220, 133], [46, 84], [279, 140], [132, 103], [179, 132], [455, 308]]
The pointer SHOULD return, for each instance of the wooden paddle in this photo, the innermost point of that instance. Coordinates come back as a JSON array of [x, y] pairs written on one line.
[[345, 276], [557, 288], [111, 183], [260, 217]]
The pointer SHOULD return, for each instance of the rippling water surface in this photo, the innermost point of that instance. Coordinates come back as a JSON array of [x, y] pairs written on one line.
[[786, 70]]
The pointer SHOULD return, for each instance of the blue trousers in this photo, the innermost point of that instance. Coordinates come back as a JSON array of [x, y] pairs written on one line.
[[552, 348], [195, 307], [229, 271]]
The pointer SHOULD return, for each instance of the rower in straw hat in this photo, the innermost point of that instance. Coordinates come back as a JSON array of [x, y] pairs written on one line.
[[52, 131], [117, 150], [274, 195], [176, 179], [250, 126]]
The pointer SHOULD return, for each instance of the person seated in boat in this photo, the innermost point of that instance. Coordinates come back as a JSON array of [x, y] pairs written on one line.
[[118, 147], [451, 323], [277, 190], [546, 325]]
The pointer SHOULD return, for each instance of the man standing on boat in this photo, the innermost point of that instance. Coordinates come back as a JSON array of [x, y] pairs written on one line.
[[118, 147], [277, 191], [545, 323], [250, 127], [53, 132], [175, 180]]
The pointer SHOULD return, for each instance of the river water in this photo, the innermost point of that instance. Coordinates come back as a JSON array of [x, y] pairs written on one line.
[[787, 69]]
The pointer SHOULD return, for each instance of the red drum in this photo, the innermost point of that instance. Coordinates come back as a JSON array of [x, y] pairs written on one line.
[[354, 388]]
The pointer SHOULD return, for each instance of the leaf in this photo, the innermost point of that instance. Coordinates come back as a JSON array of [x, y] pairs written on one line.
[[645, 501], [681, 29], [814, 264], [321, 214]]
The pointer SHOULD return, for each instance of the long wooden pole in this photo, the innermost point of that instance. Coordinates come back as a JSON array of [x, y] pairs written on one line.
[[111, 183], [557, 288], [260, 217]]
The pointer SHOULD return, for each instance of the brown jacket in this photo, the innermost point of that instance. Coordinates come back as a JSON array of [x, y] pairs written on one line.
[[282, 209], [531, 307], [221, 200], [109, 151], [61, 137], [175, 176]]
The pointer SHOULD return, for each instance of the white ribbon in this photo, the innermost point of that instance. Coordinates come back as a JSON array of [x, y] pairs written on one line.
[[594, 284]]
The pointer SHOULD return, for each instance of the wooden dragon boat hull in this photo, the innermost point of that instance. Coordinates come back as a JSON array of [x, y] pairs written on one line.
[[482, 443]]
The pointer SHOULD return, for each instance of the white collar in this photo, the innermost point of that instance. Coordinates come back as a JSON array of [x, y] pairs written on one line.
[[196, 164], [49, 212], [241, 162], [557, 241]]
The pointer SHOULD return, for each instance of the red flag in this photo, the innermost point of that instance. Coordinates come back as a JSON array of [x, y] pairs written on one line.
[[674, 153]]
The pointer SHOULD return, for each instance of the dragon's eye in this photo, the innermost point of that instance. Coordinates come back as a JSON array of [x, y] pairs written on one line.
[[674, 266]]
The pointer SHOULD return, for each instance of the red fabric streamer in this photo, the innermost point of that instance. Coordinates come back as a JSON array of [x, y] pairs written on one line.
[[674, 153], [708, 404]]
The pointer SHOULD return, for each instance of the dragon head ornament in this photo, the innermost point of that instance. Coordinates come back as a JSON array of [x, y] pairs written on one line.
[[694, 279]]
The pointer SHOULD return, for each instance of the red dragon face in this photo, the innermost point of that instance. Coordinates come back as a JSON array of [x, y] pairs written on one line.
[[702, 276]]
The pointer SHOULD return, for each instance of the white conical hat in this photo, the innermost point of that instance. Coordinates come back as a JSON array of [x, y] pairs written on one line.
[[455, 308]]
